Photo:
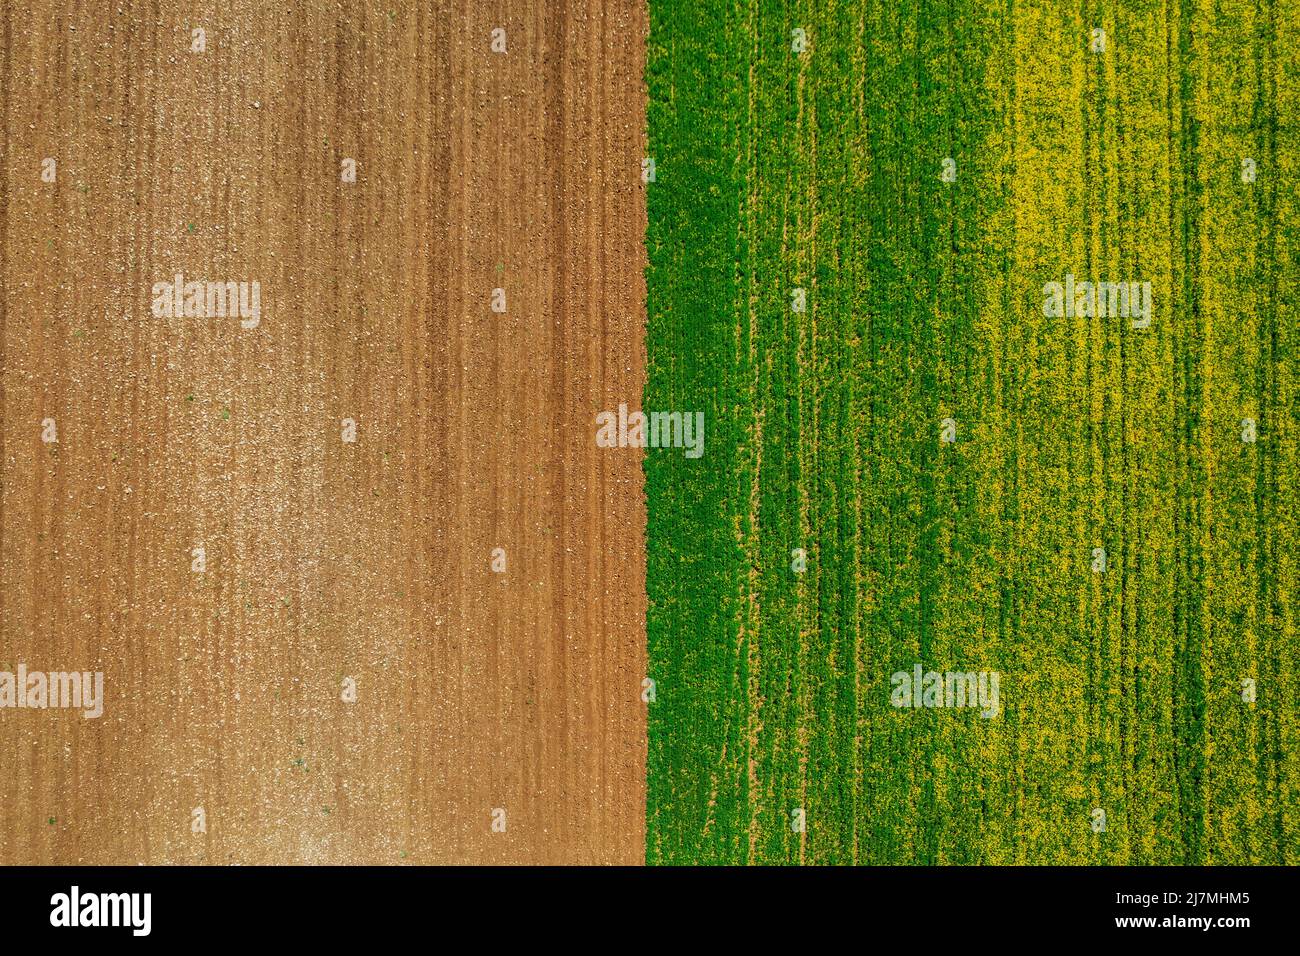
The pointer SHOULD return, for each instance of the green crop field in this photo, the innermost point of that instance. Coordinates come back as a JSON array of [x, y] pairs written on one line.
[[1093, 504]]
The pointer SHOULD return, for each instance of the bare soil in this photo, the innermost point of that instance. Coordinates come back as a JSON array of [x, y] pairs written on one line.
[[325, 559]]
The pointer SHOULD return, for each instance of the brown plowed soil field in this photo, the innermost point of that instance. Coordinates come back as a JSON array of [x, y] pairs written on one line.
[[325, 559]]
